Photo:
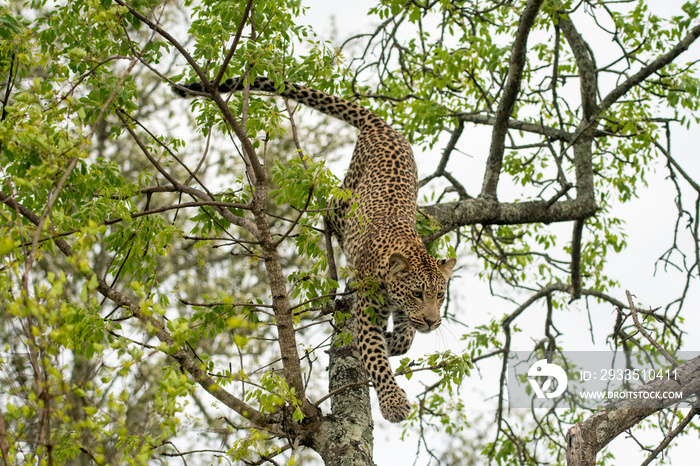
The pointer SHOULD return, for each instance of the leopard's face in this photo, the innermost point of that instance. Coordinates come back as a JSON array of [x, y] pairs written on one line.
[[417, 284]]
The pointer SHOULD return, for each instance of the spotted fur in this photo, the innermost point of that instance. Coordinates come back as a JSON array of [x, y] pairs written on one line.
[[380, 240]]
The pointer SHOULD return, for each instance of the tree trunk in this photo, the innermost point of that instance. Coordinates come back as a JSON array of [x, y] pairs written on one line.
[[345, 437]]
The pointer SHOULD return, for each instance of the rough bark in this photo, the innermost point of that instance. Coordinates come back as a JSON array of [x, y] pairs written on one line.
[[345, 436], [585, 133], [491, 212]]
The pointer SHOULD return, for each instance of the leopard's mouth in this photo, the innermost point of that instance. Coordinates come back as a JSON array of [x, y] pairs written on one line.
[[422, 326]]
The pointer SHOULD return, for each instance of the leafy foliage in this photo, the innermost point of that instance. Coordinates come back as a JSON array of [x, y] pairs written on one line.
[[150, 255]]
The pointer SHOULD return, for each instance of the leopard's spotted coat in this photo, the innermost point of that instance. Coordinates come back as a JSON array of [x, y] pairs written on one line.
[[384, 245]]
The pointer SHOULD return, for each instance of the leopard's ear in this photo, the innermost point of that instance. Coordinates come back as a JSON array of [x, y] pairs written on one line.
[[446, 266], [398, 265]]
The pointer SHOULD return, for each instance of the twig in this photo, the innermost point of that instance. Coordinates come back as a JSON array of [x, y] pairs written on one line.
[[654, 343], [159, 330], [4, 444], [296, 220], [234, 45], [576, 260], [10, 85], [561, 193], [338, 390], [295, 135], [667, 440]]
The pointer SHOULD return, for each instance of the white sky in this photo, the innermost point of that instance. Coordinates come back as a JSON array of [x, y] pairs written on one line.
[[649, 225]]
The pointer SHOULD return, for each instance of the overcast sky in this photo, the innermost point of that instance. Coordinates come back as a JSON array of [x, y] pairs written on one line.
[[649, 225]]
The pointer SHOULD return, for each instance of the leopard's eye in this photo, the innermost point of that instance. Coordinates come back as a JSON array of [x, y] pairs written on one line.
[[440, 295], [417, 294]]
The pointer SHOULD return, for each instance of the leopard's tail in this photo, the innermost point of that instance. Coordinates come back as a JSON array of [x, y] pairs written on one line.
[[336, 107]]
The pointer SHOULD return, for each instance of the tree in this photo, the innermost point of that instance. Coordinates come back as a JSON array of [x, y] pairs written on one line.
[[165, 272]]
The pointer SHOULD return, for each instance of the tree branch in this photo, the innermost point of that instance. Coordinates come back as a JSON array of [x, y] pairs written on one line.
[[586, 66], [234, 45], [506, 105], [650, 69], [257, 175], [348, 434], [585, 132], [576, 260], [671, 435], [440, 170], [224, 212], [491, 212], [536, 128], [642, 330], [257, 170], [587, 438], [157, 328]]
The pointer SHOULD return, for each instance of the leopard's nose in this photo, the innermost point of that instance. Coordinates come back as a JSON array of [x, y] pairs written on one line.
[[429, 322]]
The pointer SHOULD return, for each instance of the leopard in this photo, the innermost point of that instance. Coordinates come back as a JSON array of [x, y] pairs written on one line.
[[376, 230]]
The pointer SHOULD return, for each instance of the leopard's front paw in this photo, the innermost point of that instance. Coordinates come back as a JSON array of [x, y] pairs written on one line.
[[394, 405]]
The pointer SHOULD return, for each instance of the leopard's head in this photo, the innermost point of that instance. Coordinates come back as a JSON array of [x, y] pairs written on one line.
[[417, 283]]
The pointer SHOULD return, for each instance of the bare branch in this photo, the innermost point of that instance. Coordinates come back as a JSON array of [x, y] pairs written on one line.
[[258, 172], [586, 66], [234, 45], [440, 170], [576, 260], [671, 435], [491, 212], [550, 132], [642, 330], [240, 221], [676, 165], [586, 129]]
